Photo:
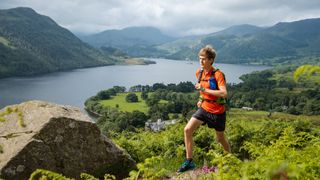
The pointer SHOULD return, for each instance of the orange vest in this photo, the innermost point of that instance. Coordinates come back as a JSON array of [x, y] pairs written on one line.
[[211, 107]]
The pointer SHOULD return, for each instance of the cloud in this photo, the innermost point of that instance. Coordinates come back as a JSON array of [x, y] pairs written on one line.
[[175, 17]]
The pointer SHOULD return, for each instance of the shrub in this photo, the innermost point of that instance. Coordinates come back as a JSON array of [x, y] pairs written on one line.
[[132, 97]]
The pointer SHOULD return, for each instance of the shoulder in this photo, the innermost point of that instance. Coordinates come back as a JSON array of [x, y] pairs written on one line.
[[198, 71], [218, 72], [219, 75]]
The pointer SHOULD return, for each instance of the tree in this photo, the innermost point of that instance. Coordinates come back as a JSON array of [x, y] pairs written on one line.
[[119, 89], [159, 111], [103, 95], [153, 99], [312, 107], [259, 103], [112, 92], [144, 95], [137, 118], [185, 87], [157, 86], [132, 97]]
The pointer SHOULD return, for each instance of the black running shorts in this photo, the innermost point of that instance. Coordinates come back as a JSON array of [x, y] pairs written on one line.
[[216, 121]]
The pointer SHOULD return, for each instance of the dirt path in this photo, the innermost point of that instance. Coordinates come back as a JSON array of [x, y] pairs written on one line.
[[192, 174]]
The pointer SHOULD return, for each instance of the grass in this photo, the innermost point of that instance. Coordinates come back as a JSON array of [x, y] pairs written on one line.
[[5, 42], [120, 100], [254, 115]]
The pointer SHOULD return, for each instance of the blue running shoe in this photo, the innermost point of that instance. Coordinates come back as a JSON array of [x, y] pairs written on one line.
[[186, 165]]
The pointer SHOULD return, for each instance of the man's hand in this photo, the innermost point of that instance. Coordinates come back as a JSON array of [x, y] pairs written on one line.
[[199, 104], [197, 86]]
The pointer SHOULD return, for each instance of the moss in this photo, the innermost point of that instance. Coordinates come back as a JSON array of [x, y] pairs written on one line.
[[20, 120], [1, 149], [10, 110], [15, 110], [2, 119]]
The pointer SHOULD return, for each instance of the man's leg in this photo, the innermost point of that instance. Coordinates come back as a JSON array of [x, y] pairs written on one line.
[[192, 125], [223, 141]]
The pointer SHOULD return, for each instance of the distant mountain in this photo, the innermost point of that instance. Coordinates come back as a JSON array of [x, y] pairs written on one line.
[[305, 33], [249, 44], [239, 30], [31, 44], [128, 37], [132, 40]]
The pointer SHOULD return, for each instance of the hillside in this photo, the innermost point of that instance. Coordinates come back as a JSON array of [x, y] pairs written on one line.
[[239, 30], [283, 43], [278, 147], [280, 43], [132, 40], [31, 43], [276, 138]]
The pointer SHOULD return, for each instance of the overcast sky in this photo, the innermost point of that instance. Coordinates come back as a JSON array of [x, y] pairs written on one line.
[[174, 17]]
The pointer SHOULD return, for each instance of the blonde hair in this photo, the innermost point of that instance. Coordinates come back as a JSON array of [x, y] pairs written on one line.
[[208, 52]]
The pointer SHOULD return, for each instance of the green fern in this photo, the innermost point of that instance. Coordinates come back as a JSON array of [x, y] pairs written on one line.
[[85, 176], [48, 175], [109, 177], [307, 72]]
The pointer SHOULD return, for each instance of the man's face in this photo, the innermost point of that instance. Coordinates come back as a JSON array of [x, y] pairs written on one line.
[[204, 61]]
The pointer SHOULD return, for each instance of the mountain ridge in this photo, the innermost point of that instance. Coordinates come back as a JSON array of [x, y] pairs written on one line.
[[143, 35], [275, 44], [283, 42], [31, 44], [239, 30]]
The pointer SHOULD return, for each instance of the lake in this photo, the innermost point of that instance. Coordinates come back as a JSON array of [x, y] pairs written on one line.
[[74, 87]]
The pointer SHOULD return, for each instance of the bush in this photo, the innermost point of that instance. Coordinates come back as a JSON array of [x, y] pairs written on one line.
[[103, 95], [132, 97], [263, 148]]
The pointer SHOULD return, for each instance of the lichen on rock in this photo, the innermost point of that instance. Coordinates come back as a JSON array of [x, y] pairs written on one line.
[[57, 138]]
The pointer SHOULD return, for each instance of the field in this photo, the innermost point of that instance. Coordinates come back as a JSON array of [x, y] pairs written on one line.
[[120, 101], [123, 105]]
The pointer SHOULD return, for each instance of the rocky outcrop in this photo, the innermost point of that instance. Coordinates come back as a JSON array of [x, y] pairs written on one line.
[[62, 139]]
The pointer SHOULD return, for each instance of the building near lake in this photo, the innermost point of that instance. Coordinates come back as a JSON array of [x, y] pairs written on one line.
[[159, 124], [247, 108]]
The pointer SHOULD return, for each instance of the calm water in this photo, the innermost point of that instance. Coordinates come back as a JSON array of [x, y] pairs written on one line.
[[74, 87]]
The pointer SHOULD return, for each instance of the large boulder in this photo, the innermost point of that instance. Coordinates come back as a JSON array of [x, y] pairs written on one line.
[[62, 139]]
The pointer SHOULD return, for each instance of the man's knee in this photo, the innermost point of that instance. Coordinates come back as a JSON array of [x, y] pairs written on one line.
[[188, 130], [192, 125]]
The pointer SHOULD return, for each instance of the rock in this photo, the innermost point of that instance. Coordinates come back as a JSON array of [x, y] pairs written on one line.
[[62, 139]]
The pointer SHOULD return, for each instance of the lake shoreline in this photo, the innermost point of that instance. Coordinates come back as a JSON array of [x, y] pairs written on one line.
[[124, 62], [75, 86]]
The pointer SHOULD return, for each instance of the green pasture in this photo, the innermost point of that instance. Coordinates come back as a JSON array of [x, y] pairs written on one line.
[[123, 105]]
